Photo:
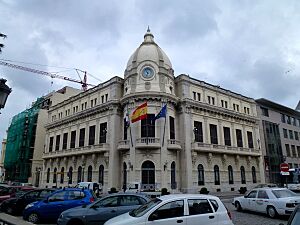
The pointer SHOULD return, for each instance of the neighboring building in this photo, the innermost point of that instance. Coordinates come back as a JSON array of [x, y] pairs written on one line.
[[25, 138], [207, 139], [2, 170], [280, 137]]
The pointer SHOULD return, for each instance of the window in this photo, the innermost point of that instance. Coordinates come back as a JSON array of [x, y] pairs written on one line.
[[252, 194], [70, 175], [230, 174], [194, 95], [250, 139], [73, 139], [125, 129], [44, 193], [217, 175], [227, 138], [79, 173], [62, 175], [262, 194], [285, 133], [254, 175], [173, 175], [293, 121], [287, 148], [199, 206], [291, 134], [264, 111], [102, 99], [243, 175], [213, 134], [106, 97], [199, 96], [296, 135], [169, 210], [200, 174], [130, 200], [298, 151], [239, 138], [57, 197], [57, 142], [288, 119], [172, 127], [51, 144], [214, 204], [90, 174], [54, 175], [293, 150], [75, 195], [65, 141], [103, 131], [92, 135], [101, 174], [81, 137], [282, 118], [148, 126], [48, 175], [198, 131]]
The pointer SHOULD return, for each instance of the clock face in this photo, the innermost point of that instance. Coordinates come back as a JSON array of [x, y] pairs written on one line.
[[148, 72]]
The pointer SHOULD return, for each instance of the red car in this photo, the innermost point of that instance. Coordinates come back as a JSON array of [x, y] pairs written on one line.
[[7, 192]]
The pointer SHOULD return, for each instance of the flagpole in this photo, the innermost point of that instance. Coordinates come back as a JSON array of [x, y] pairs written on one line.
[[164, 129], [129, 126]]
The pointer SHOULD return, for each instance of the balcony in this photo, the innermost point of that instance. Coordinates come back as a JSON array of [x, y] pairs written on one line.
[[149, 143], [99, 148], [174, 145], [124, 145], [220, 149]]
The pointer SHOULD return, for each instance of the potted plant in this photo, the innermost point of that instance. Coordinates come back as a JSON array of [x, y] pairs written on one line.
[[113, 190], [164, 191], [204, 191], [243, 190]]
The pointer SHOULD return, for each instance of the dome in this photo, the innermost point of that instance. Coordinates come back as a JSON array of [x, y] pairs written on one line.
[[149, 51]]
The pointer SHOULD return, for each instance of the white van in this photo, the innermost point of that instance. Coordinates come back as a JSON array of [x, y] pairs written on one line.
[[90, 185]]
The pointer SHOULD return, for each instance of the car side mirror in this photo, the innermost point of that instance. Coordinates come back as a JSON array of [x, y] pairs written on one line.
[[153, 217]]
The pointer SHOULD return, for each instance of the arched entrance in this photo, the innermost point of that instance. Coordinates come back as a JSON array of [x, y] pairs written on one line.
[[148, 176]]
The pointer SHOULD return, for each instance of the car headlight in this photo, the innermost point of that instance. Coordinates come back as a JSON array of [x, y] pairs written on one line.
[[28, 206]]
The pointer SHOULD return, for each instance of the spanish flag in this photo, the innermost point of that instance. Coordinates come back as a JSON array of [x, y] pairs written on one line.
[[139, 113]]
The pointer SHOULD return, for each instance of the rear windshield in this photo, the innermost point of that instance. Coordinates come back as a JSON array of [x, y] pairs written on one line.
[[283, 193], [145, 208]]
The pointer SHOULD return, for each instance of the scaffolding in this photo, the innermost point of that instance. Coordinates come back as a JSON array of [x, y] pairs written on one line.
[[20, 144]]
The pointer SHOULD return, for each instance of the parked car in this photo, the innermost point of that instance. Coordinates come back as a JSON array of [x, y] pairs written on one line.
[[272, 201], [102, 210], [51, 207], [180, 208], [7, 192], [15, 206], [266, 185], [294, 218]]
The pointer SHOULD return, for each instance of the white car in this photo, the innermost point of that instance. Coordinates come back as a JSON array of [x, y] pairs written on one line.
[[185, 209], [273, 201]]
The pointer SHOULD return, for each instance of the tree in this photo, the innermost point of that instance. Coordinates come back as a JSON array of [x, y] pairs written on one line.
[[2, 45]]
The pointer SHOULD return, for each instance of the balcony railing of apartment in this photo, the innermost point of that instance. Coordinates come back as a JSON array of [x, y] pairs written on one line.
[[174, 144], [148, 142]]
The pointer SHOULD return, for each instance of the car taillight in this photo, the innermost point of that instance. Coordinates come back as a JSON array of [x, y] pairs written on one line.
[[92, 200]]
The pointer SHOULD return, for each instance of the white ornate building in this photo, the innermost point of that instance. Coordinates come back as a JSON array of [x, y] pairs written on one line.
[[210, 136]]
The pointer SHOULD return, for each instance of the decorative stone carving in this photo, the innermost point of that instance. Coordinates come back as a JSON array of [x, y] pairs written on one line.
[[74, 160], [249, 160], [237, 159], [66, 161], [51, 162], [224, 159], [194, 157], [83, 159], [209, 157], [106, 158], [94, 159], [147, 154]]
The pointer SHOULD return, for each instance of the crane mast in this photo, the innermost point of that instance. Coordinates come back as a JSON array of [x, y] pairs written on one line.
[[83, 83]]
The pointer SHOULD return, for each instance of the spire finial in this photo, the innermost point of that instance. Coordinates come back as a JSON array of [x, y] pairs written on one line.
[[148, 30]]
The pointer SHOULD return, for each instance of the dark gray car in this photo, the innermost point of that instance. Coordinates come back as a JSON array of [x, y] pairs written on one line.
[[102, 210]]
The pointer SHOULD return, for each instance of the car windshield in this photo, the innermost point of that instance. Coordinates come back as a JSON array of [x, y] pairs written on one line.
[[144, 208], [283, 193], [296, 219]]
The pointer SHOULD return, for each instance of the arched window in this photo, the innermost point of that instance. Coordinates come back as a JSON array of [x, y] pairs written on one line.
[[200, 174], [54, 175], [70, 175], [79, 173], [173, 175], [90, 174], [48, 175], [243, 175], [124, 174], [254, 175], [101, 174], [230, 174], [62, 175], [217, 175], [148, 175]]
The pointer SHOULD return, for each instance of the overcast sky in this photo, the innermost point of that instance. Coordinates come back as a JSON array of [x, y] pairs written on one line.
[[250, 47]]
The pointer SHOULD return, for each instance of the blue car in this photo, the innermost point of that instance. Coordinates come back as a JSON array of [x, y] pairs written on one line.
[[51, 207]]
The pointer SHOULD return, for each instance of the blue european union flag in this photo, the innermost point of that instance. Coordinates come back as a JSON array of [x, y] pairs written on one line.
[[162, 113]]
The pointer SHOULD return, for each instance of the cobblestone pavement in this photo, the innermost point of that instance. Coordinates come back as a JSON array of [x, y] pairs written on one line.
[[249, 218]]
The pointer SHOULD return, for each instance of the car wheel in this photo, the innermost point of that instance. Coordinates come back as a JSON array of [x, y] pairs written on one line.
[[33, 218], [271, 211], [238, 206]]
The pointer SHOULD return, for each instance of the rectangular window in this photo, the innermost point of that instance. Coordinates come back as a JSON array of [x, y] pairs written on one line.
[[285, 133], [92, 103], [198, 131], [199, 96], [81, 137], [65, 141], [239, 138], [172, 127], [248, 110], [57, 142], [245, 110], [288, 152], [212, 100], [293, 150], [92, 135], [222, 103], [293, 121], [148, 126], [291, 134], [106, 97], [102, 99], [237, 108], [298, 151], [213, 134], [103, 131], [233, 106], [194, 95], [125, 127], [199, 207], [264, 111], [227, 138], [226, 105], [296, 135], [250, 139], [51, 144], [73, 139], [282, 118], [288, 119], [208, 99]]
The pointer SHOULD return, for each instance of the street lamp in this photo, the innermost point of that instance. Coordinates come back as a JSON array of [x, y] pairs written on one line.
[[4, 92]]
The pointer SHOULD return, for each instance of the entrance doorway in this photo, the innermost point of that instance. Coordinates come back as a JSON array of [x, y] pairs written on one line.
[[148, 176]]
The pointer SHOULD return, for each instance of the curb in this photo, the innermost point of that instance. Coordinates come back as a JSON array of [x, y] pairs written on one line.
[[6, 219]]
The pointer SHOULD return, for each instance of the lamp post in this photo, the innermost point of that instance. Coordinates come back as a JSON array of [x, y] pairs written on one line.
[[4, 92]]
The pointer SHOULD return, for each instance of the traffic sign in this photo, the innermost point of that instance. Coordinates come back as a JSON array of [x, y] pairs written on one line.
[[284, 167]]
